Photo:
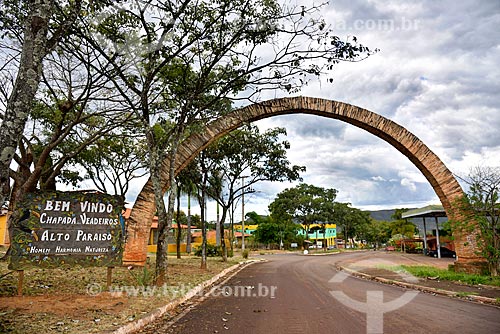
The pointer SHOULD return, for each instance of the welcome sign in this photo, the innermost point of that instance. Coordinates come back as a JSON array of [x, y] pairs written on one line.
[[58, 228]]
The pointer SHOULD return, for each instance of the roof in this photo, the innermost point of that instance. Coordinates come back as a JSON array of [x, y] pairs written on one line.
[[174, 225], [427, 211], [212, 233], [239, 234], [154, 223]]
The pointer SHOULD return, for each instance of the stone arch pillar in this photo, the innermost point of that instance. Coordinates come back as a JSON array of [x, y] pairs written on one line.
[[441, 179]]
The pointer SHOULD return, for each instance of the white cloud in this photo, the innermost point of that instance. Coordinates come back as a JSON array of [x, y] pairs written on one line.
[[409, 184], [440, 79]]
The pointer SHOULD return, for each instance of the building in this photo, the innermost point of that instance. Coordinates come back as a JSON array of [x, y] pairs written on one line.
[[432, 219], [249, 229], [171, 238], [211, 238], [4, 232], [320, 235], [316, 235]]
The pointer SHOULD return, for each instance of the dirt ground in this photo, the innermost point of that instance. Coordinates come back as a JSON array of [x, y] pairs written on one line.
[[76, 300], [69, 313]]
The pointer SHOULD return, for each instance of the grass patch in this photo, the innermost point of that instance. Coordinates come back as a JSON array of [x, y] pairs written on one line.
[[465, 294], [443, 274]]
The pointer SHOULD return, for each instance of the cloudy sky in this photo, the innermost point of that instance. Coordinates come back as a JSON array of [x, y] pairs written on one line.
[[437, 74]]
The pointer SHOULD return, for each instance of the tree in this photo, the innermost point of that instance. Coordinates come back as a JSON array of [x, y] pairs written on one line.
[[261, 155], [111, 163], [361, 222], [377, 232], [306, 204], [401, 227], [353, 222], [273, 233], [202, 185], [179, 65], [186, 184], [68, 117], [480, 208], [38, 26], [255, 218]]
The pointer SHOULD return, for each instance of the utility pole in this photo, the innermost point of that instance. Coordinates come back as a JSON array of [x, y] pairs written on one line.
[[437, 238], [232, 224], [188, 241], [243, 213], [217, 228]]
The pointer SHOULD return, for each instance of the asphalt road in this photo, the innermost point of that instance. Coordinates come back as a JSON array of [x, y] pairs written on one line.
[[298, 294]]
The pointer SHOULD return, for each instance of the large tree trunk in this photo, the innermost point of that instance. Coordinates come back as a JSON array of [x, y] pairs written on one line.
[[232, 228], [165, 221], [222, 238], [25, 87], [179, 230], [188, 238], [36, 45], [201, 200], [161, 212]]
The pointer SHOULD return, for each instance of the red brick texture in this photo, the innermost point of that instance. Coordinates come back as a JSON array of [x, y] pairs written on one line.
[[441, 179]]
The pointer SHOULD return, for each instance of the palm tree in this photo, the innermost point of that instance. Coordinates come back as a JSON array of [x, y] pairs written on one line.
[[186, 183]]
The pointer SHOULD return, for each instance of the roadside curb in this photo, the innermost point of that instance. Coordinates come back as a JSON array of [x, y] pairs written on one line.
[[136, 325], [452, 294], [335, 253]]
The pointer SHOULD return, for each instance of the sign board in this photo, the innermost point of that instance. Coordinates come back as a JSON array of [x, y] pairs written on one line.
[[294, 245], [59, 228]]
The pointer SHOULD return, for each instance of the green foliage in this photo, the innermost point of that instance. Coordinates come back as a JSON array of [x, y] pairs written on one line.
[[273, 233], [245, 253], [443, 274], [143, 276], [111, 162], [402, 227], [254, 218], [353, 222], [245, 150], [480, 213], [212, 251], [263, 154], [377, 232], [307, 204]]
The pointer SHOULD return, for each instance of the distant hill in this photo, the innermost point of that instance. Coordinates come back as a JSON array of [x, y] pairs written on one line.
[[385, 215], [382, 215]]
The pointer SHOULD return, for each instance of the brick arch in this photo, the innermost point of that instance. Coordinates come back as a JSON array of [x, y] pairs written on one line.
[[441, 179]]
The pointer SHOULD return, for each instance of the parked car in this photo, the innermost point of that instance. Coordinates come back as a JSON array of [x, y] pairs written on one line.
[[445, 252], [390, 248]]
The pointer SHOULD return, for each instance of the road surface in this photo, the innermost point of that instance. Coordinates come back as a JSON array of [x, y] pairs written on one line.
[[305, 294]]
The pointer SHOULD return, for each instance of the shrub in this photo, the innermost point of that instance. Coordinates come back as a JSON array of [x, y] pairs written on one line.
[[245, 254], [213, 251]]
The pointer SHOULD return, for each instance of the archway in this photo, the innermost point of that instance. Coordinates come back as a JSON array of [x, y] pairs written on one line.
[[441, 179]]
